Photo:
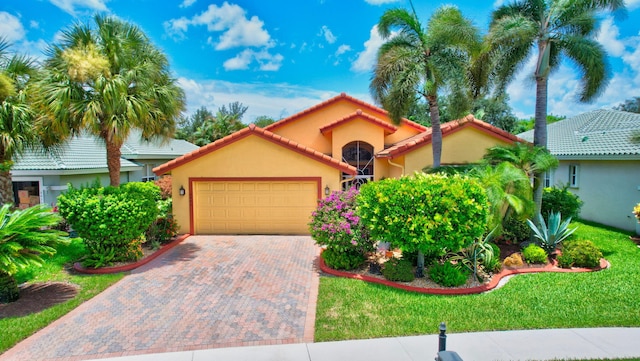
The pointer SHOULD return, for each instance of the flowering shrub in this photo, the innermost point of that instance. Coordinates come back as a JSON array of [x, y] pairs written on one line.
[[165, 186], [636, 211], [335, 224], [162, 229]]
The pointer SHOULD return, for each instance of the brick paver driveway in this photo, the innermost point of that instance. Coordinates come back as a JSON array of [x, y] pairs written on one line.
[[209, 291]]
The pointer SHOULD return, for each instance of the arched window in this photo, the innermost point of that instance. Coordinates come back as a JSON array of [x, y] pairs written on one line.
[[360, 155]]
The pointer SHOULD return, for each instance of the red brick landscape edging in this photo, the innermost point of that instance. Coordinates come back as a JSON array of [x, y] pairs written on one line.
[[495, 280], [131, 266]]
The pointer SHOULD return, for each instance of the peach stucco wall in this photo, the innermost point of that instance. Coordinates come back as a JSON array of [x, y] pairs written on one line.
[[467, 145], [249, 157], [306, 129]]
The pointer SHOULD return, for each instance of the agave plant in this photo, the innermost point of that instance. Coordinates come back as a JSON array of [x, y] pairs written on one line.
[[478, 257], [25, 236], [551, 235]]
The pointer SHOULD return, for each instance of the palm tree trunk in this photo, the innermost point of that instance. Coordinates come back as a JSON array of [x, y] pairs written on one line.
[[540, 135], [6, 187], [9, 291], [436, 132], [113, 162]]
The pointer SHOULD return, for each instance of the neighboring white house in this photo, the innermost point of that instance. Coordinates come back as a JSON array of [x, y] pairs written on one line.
[[42, 175], [600, 162]]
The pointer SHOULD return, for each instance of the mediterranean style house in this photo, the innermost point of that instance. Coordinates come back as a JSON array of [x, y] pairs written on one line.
[[269, 180], [600, 162]]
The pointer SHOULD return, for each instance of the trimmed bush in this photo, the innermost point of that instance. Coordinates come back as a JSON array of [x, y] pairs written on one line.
[[579, 253], [560, 200], [534, 254], [431, 213], [342, 260], [398, 270], [164, 184], [335, 224], [515, 230], [111, 220], [448, 275]]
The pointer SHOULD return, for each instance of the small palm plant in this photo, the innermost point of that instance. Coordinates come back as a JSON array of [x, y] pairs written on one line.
[[549, 237], [25, 236]]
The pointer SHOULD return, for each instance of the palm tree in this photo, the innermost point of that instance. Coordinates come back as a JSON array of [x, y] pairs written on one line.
[[25, 236], [16, 116], [529, 159], [107, 81], [416, 61], [556, 28]]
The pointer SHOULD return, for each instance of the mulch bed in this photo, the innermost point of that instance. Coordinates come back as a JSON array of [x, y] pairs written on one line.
[[36, 297]]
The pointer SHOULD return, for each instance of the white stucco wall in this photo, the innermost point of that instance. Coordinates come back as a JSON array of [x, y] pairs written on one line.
[[609, 189]]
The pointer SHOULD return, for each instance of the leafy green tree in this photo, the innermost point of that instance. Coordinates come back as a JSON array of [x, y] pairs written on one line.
[[418, 61], [107, 80], [263, 121], [188, 125], [524, 125], [25, 236], [556, 29], [630, 105], [216, 128], [496, 111], [16, 115]]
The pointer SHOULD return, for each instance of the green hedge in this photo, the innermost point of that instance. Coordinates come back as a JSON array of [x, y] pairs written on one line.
[[432, 213], [111, 220]]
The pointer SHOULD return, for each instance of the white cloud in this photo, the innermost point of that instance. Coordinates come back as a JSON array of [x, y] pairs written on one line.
[[265, 60], [229, 19], [498, 3], [342, 49], [71, 6], [327, 34], [380, 2], [608, 37], [34, 24], [11, 27], [632, 4], [367, 58], [187, 3], [273, 100]]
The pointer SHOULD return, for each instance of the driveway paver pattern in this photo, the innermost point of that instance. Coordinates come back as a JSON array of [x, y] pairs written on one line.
[[207, 292]]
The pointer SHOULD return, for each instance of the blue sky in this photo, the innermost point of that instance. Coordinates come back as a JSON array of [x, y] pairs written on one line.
[[280, 56]]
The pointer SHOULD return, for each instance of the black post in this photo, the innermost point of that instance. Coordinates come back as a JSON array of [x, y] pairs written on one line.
[[442, 339]]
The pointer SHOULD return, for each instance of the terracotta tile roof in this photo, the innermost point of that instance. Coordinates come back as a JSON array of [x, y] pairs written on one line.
[[358, 114], [424, 138], [264, 134], [328, 102]]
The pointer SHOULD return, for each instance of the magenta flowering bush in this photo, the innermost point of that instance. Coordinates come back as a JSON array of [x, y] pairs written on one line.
[[336, 225]]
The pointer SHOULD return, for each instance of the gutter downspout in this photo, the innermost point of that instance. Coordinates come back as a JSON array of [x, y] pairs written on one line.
[[396, 165]]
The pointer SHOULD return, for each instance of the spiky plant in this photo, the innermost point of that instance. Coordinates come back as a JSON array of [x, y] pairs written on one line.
[[549, 237], [25, 237]]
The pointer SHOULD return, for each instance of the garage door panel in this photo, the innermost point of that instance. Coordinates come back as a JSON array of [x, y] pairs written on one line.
[[253, 207]]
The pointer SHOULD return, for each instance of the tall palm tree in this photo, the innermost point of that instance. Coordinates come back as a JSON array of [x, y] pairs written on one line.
[[107, 81], [16, 116], [417, 61], [556, 29]]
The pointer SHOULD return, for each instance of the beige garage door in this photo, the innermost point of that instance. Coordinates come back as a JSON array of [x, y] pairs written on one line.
[[253, 207]]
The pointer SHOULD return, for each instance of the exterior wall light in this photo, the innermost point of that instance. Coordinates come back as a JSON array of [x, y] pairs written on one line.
[[327, 190], [182, 191]]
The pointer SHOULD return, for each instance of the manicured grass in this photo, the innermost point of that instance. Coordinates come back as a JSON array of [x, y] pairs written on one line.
[[352, 309], [15, 329]]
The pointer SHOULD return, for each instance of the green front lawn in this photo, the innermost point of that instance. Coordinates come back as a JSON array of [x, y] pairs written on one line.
[[13, 330], [352, 309]]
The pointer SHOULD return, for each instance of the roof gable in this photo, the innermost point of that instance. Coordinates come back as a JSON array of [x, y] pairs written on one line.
[[595, 134], [369, 108], [453, 126], [358, 114], [253, 130]]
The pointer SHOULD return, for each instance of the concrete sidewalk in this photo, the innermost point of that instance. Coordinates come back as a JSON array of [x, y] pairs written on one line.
[[588, 343]]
